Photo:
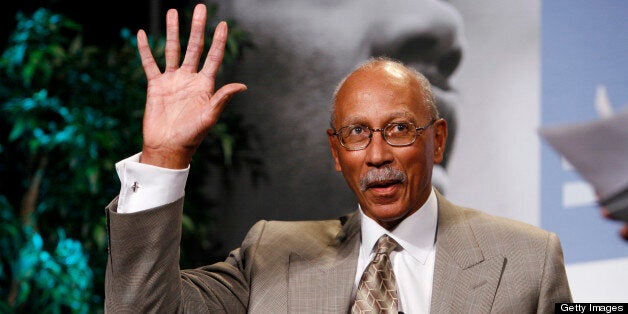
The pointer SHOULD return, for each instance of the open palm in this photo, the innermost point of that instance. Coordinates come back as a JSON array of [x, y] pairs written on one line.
[[181, 104]]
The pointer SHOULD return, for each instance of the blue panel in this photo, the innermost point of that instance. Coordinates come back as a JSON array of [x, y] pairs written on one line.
[[584, 44]]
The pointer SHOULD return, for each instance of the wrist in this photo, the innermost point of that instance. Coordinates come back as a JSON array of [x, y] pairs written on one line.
[[165, 158]]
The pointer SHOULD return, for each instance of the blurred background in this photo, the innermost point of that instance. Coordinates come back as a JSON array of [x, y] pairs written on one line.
[[72, 94]]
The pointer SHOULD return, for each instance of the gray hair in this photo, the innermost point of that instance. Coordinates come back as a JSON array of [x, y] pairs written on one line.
[[373, 62]]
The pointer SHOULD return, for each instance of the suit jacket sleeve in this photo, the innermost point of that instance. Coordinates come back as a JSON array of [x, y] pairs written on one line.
[[143, 274], [554, 284]]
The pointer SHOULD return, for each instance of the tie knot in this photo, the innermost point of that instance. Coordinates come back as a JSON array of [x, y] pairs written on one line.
[[386, 244]]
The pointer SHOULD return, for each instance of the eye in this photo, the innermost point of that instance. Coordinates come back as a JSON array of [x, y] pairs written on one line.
[[399, 127], [356, 130]]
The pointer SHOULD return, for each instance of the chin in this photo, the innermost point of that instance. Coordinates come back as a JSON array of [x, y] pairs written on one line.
[[387, 215]]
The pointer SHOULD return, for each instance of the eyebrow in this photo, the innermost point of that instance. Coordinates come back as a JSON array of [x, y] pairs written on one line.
[[359, 119]]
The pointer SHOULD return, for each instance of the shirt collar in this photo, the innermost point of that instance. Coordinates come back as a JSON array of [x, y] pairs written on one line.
[[415, 234]]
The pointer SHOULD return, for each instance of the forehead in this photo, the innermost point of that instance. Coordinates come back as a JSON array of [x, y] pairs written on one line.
[[377, 95]]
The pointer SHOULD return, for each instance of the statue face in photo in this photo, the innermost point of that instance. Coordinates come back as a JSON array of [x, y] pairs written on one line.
[[301, 51]]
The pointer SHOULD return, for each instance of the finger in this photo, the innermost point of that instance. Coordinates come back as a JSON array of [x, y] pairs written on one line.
[[197, 39], [173, 46], [606, 213], [148, 62], [220, 99], [216, 51], [623, 232]]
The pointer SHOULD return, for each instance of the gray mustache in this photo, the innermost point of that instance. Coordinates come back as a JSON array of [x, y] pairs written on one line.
[[380, 176]]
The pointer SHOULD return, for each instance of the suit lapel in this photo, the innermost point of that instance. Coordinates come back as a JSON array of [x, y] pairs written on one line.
[[324, 282], [464, 279]]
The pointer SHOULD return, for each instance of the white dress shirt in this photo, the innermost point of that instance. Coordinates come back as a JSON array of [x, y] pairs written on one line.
[[145, 186], [412, 262]]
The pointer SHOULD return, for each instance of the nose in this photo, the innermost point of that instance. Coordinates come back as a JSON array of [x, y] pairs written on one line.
[[378, 152], [426, 35]]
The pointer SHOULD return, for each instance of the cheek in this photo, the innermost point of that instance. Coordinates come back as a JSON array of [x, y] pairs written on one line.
[[349, 160], [416, 164], [350, 166], [350, 170]]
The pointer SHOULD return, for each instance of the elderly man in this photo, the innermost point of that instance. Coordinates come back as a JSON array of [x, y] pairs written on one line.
[[422, 252]]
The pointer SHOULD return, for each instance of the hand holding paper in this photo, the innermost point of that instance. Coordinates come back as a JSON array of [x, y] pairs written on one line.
[[598, 150]]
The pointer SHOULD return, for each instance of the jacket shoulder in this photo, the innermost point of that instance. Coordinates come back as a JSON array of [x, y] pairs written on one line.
[[521, 243], [280, 238], [502, 228]]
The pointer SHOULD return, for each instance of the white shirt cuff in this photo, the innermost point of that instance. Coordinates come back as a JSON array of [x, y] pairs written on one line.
[[145, 186]]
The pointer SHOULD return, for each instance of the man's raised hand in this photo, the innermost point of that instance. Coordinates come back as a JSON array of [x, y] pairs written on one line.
[[181, 104]]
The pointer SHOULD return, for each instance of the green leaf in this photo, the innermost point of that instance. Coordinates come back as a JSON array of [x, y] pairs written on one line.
[[30, 68], [187, 223], [23, 292], [17, 131], [99, 234], [93, 174], [227, 142]]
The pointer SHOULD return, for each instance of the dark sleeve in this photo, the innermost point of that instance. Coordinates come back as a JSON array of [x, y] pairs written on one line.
[[143, 274]]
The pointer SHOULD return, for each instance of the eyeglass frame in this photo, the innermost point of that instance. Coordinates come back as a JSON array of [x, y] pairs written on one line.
[[381, 131]]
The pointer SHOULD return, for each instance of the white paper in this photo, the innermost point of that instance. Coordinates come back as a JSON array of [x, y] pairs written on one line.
[[598, 150]]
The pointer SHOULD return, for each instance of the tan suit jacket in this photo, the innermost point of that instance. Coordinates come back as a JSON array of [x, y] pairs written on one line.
[[484, 264]]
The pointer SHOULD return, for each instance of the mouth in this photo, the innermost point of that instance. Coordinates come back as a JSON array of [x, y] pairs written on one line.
[[385, 188], [382, 184]]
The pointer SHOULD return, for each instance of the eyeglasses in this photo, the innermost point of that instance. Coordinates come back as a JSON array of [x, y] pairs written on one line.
[[357, 137]]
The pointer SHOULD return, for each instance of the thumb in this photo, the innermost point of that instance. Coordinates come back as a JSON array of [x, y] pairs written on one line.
[[219, 100]]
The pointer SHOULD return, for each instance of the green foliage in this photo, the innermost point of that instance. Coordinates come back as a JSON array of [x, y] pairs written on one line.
[[61, 278], [68, 113]]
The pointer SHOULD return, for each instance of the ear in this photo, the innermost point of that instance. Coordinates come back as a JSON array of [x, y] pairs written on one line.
[[440, 140], [333, 146]]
